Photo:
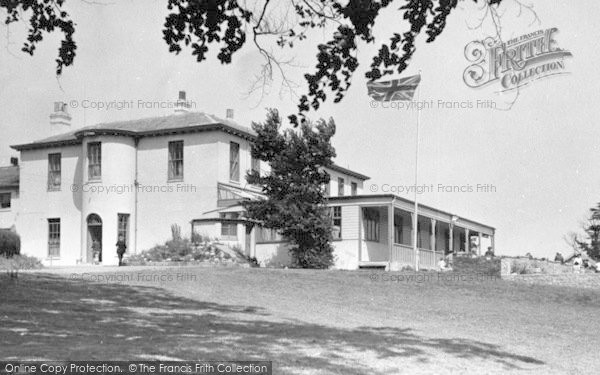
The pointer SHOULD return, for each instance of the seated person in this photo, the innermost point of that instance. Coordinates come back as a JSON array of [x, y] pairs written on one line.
[[443, 265]]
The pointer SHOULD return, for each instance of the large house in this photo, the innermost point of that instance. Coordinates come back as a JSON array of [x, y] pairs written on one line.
[[138, 178]]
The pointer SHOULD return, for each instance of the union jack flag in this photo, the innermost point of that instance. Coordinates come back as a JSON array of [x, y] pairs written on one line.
[[402, 89]]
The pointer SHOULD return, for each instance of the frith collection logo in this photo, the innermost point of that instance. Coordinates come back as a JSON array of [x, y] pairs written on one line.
[[515, 63]]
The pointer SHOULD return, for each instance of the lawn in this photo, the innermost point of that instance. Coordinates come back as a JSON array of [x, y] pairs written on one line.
[[306, 322]]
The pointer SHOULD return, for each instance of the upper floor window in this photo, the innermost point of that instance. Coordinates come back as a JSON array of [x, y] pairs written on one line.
[[176, 160], [354, 188], [4, 200], [327, 189], [234, 161], [94, 160], [53, 171], [340, 186]]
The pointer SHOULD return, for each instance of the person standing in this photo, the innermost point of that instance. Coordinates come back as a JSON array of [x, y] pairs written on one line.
[[121, 247]]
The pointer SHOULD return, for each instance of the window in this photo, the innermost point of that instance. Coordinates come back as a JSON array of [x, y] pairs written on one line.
[[336, 221], [371, 223], [340, 187], [398, 229], [123, 227], [4, 200], [267, 235], [254, 164], [53, 237], [94, 161], [176, 160], [53, 172], [234, 161], [327, 189], [229, 229], [354, 188]]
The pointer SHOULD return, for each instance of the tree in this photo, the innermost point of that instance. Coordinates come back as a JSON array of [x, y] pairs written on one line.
[[592, 230], [294, 186], [230, 24]]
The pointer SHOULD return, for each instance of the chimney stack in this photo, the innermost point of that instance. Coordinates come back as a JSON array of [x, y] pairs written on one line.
[[229, 113], [182, 105], [60, 119]]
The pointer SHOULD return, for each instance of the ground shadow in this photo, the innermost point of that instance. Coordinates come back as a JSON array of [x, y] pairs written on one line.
[[51, 317]]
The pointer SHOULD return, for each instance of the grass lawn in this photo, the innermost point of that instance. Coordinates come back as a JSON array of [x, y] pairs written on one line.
[[306, 322]]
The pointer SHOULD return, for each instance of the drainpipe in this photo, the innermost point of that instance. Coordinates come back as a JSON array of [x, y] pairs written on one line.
[[391, 233], [135, 194]]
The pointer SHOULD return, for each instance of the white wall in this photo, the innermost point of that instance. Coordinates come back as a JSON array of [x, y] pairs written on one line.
[[37, 204], [333, 184], [181, 201], [113, 194], [8, 216]]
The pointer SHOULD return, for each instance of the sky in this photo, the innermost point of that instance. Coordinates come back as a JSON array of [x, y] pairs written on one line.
[[537, 157]]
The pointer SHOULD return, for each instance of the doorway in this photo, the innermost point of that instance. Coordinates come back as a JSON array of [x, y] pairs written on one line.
[[94, 238]]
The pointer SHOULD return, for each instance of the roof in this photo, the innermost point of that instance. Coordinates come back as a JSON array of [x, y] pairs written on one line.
[[396, 197], [349, 172], [153, 126], [176, 123], [9, 177]]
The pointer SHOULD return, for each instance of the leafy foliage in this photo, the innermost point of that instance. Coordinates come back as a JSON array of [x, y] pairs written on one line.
[[294, 187], [229, 24], [10, 243], [592, 229], [44, 16]]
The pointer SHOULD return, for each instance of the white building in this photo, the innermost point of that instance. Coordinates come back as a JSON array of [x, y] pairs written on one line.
[[138, 178]]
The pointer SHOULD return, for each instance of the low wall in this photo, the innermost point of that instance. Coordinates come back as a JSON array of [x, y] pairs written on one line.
[[533, 266], [578, 280]]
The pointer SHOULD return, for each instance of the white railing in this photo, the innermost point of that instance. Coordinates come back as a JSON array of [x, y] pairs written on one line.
[[404, 255]]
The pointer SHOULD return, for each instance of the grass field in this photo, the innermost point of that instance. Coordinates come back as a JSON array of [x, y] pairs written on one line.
[[306, 322]]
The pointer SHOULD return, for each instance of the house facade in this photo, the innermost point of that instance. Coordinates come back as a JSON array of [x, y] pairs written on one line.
[[83, 188]]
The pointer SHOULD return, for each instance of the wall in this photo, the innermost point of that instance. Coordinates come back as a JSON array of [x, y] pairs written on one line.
[[8, 216], [333, 184], [273, 254], [37, 204], [162, 203], [113, 194]]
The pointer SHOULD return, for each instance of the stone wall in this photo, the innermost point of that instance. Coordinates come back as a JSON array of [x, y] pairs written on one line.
[[578, 280], [533, 266]]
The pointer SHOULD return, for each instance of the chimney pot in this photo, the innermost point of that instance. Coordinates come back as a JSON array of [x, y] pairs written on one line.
[[182, 105], [60, 119], [229, 113]]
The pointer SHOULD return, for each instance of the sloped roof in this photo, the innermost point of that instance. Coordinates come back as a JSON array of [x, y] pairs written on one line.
[[152, 126], [9, 177], [176, 123]]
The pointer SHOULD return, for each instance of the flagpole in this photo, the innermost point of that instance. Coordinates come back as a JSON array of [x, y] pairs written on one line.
[[416, 217]]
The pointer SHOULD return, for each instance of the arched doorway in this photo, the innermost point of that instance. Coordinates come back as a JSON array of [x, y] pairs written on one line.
[[94, 238]]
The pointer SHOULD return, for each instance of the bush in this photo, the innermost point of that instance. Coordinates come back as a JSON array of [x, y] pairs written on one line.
[[10, 243], [19, 262], [483, 266]]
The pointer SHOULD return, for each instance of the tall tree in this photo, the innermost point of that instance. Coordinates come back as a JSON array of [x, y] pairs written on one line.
[[229, 24], [294, 186], [592, 230]]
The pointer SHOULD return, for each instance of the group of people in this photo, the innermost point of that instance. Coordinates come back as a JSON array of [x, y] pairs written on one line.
[[97, 250], [580, 265]]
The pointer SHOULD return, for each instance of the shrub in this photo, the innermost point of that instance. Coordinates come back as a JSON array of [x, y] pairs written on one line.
[[19, 262], [480, 265], [10, 243]]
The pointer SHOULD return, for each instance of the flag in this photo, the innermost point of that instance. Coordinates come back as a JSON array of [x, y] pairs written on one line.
[[402, 89]]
